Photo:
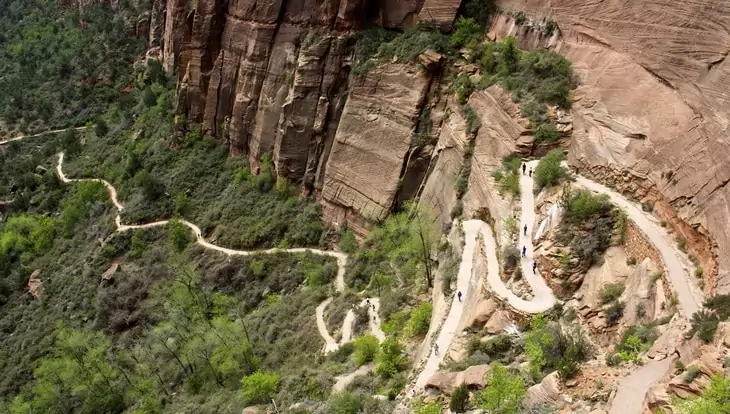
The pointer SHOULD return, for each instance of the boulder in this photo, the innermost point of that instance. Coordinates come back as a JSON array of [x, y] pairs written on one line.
[[546, 392], [483, 312], [35, 286], [251, 410], [446, 382], [499, 321]]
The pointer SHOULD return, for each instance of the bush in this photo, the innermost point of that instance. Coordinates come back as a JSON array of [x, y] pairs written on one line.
[[714, 399], [550, 171], [550, 347], [459, 399], [344, 403], [704, 324], [546, 133], [259, 387], [511, 256], [466, 31], [614, 313], [420, 319], [493, 347], [348, 243], [692, 373], [391, 358], [179, 235], [366, 349], [611, 292], [504, 393], [720, 304], [581, 206]]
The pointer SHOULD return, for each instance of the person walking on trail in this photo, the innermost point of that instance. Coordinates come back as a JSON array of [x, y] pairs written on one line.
[[530, 172], [524, 166], [459, 296], [525, 229], [524, 251], [436, 349], [534, 266]]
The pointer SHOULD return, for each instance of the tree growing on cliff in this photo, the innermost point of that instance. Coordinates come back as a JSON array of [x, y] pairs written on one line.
[[504, 392], [550, 171]]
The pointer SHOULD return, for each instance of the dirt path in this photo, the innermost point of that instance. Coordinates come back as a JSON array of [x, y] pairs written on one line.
[[330, 343], [632, 389], [55, 131]]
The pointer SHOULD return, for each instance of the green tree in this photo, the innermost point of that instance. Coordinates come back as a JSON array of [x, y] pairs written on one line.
[[466, 31], [259, 387], [366, 349], [504, 392], [704, 324], [459, 399], [100, 127], [79, 377], [550, 171], [348, 243], [390, 358], [344, 403], [420, 319], [179, 235], [509, 57]]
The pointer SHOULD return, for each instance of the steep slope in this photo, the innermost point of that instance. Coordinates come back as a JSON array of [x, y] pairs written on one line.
[[651, 113]]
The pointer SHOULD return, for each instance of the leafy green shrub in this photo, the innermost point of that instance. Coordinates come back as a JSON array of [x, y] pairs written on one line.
[[366, 349], [520, 18], [546, 133], [692, 373], [550, 171], [390, 359], [179, 235], [511, 256], [473, 123], [611, 292], [420, 319], [459, 399], [714, 399], [581, 205], [614, 313], [466, 30], [704, 324], [550, 347], [699, 271], [492, 347], [720, 304], [344, 403], [504, 393], [259, 387]]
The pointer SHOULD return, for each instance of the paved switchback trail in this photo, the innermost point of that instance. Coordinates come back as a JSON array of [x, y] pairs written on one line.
[[631, 390]]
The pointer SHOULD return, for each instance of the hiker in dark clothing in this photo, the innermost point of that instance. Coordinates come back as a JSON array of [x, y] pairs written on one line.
[[524, 166], [524, 251], [459, 296], [534, 266], [530, 172], [525, 229]]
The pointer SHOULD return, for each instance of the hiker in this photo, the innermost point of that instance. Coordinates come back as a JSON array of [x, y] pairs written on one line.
[[530, 172], [436, 349], [368, 302], [534, 266], [524, 251], [524, 166], [525, 229], [459, 296]]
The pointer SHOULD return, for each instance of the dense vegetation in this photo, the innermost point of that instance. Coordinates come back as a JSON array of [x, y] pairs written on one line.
[[550, 171], [60, 68], [198, 181]]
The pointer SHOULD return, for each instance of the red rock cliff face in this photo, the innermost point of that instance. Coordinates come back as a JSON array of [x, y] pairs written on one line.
[[274, 76], [651, 114]]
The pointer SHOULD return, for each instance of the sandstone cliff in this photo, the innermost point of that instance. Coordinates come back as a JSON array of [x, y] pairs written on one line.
[[650, 116], [652, 105]]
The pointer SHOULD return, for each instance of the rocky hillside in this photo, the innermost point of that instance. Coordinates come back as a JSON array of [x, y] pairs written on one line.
[[650, 112]]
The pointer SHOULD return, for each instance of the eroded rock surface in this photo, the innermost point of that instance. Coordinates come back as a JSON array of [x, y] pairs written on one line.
[[652, 106]]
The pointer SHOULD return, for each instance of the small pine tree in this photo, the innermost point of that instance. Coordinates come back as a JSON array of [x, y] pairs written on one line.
[[459, 399]]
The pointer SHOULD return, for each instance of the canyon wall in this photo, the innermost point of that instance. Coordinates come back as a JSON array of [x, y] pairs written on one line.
[[651, 112]]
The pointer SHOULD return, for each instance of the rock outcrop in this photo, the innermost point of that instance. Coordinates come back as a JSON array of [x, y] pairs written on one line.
[[274, 77], [651, 113], [474, 377]]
